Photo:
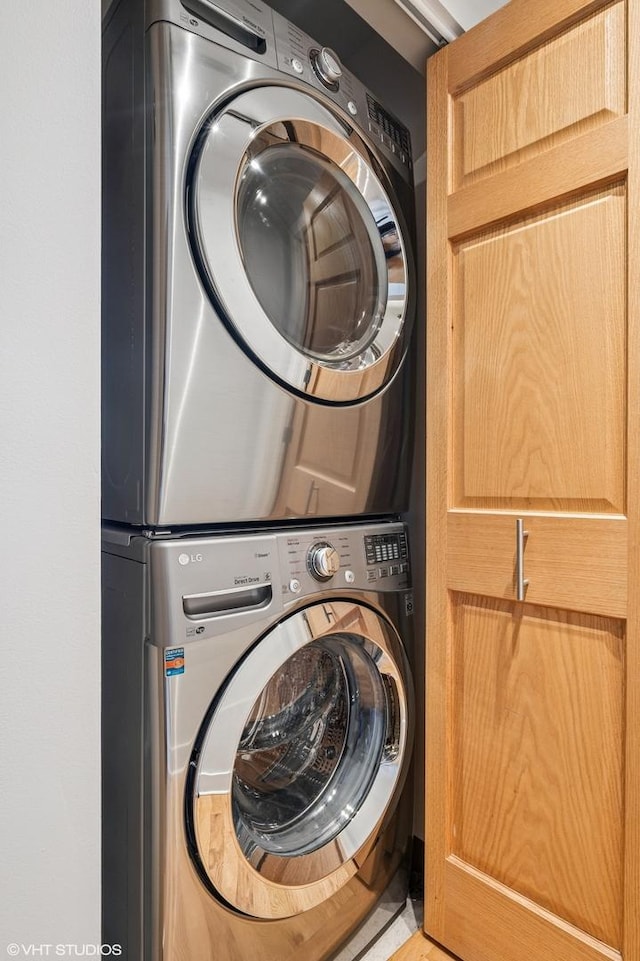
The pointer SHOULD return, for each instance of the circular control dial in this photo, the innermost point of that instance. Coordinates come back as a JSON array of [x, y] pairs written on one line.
[[327, 66], [323, 561]]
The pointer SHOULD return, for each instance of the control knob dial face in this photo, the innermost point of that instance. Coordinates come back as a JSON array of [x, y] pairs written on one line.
[[323, 561], [328, 65]]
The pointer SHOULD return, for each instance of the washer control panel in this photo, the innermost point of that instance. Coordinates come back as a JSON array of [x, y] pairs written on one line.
[[367, 557], [387, 555], [206, 580]]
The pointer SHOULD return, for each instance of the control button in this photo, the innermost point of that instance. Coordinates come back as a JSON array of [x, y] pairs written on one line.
[[295, 585], [349, 577], [404, 568], [328, 65], [394, 569], [384, 572], [372, 575], [352, 108], [323, 561], [297, 65]]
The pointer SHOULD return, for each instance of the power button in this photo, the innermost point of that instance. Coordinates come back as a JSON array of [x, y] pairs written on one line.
[[294, 585]]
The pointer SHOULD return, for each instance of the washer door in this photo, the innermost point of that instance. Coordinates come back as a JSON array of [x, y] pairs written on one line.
[[300, 760], [299, 244]]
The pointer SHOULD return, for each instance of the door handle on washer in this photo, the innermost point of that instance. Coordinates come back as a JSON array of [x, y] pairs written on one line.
[[200, 606]]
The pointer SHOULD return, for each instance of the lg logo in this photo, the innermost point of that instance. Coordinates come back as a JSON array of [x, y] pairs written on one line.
[[185, 559]]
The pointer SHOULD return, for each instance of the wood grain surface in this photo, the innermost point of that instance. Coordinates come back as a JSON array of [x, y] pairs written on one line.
[[578, 563], [538, 756], [420, 948], [539, 377], [533, 709], [574, 82]]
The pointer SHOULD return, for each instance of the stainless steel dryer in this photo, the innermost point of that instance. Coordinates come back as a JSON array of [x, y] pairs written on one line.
[[256, 737], [258, 273]]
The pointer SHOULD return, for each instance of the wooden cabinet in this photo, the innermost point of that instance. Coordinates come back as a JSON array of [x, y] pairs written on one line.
[[533, 698]]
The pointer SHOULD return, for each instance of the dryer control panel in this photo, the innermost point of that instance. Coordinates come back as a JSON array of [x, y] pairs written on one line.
[[299, 55], [254, 31]]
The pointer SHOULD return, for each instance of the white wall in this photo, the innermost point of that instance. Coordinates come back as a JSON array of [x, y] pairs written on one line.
[[49, 476], [470, 12]]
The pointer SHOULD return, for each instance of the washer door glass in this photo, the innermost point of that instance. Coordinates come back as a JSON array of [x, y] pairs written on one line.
[[299, 245], [310, 749], [293, 778]]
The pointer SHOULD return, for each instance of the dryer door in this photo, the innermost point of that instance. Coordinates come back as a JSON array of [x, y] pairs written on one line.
[[300, 760], [300, 245]]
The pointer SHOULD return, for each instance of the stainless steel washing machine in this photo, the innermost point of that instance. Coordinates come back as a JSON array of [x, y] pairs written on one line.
[[258, 275], [256, 738]]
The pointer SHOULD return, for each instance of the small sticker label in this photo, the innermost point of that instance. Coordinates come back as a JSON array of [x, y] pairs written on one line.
[[174, 661], [408, 603]]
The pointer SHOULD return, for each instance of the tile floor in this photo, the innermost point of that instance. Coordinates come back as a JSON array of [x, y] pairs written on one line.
[[396, 934]]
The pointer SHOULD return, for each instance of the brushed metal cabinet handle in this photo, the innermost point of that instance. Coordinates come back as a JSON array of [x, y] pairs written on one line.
[[521, 583]]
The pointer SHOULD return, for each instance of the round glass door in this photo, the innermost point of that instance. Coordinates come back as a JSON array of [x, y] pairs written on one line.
[[299, 244], [293, 777], [312, 253]]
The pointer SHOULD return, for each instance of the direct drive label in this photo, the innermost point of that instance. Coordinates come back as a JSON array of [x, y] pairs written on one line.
[[174, 661]]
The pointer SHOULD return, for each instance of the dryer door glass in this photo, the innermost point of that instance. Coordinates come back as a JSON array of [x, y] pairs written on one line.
[[292, 778], [301, 248], [312, 252]]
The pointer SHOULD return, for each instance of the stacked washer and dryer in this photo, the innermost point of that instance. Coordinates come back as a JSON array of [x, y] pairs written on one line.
[[258, 299]]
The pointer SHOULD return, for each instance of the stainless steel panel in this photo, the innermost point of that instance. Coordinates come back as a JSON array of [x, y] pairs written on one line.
[[254, 16], [183, 567], [295, 49], [205, 436], [150, 731]]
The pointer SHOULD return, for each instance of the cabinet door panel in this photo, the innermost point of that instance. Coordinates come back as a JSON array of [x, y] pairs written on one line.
[[539, 354], [533, 391], [576, 563], [568, 85], [507, 926], [537, 759]]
